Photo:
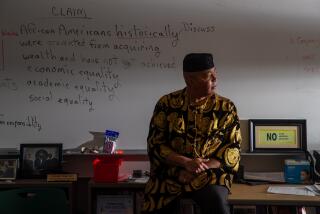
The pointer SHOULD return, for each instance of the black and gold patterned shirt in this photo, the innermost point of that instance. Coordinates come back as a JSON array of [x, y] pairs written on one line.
[[211, 130]]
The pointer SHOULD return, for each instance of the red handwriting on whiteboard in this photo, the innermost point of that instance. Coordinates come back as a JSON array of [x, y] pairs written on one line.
[[8, 33]]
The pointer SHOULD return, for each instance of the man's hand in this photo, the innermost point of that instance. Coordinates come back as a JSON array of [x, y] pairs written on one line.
[[197, 165], [213, 163], [194, 166]]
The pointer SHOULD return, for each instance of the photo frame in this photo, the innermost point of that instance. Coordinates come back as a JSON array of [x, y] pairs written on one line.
[[118, 203], [278, 135], [8, 168], [37, 160]]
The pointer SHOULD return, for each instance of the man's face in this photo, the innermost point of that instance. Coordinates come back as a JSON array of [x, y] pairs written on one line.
[[203, 83]]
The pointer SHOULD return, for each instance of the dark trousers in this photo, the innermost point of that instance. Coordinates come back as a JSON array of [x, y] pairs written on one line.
[[211, 199]]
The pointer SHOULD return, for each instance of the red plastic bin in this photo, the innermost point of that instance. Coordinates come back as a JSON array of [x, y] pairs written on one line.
[[106, 169]]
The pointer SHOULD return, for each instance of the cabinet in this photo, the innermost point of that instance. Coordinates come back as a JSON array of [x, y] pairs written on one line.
[[131, 193], [38, 183]]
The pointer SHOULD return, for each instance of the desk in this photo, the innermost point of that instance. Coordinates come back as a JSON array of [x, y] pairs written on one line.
[[242, 194], [30, 183]]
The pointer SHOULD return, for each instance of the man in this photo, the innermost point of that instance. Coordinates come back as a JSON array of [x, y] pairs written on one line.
[[28, 162], [40, 159], [51, 163], [193, 143]]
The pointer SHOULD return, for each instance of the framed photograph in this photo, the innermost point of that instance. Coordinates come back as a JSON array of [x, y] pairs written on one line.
[[277, 135], [37, 160], [8, 169], [115, 204]]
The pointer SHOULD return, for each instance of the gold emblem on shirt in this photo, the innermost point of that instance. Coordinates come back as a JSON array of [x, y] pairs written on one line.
[[176, 123], [232, 156]]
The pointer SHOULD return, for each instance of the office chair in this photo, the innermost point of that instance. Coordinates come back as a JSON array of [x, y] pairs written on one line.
[[33, 201]]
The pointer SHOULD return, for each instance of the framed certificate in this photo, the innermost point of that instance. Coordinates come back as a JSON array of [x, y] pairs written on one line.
[[277, 135], [115, 204]]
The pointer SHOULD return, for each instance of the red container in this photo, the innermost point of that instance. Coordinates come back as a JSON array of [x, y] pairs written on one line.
[[106, 169]]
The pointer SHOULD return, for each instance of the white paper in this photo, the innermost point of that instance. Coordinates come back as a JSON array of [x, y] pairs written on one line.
[[141, 180], [314, 188], [265, 176], [290, 190]]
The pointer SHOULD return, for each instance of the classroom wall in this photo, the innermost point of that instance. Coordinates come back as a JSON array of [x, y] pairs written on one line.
[[70, 67]]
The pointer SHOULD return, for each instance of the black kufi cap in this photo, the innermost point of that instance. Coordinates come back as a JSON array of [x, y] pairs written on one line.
[[194, 62]]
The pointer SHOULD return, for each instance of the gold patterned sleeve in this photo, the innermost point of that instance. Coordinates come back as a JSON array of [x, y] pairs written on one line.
[[229, 152], [158, 145]]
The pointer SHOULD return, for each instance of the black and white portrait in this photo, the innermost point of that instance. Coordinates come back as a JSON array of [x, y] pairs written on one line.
[[40, 159], [8, 169]]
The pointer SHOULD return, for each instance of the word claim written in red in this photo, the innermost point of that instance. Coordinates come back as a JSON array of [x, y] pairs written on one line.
[[7, 33]]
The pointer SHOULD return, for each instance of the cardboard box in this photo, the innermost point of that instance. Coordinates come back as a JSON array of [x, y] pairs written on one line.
[[297, 171]]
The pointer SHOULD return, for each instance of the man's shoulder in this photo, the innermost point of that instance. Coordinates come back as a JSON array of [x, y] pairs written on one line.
[[172, 94], [176, 93], [224, 101], [167, 98]]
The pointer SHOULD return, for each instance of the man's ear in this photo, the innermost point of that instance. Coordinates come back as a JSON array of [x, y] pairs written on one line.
[[187, 78]]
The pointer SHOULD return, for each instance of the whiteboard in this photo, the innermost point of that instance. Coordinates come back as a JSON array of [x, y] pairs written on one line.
[[70, 67]]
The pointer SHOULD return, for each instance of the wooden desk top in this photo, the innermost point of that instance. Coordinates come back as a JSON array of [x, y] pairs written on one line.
[[118, 185], [243, 194], [33, 183]]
